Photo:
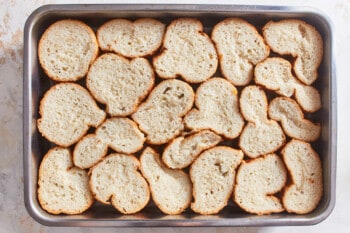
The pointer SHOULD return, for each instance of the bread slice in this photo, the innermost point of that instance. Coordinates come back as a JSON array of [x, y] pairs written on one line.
[[305, 168], [120, 83], [261, 135], [67, 111], [160, 116], [187, 52], [120, 134], [256, 182], [171, 189], [217, 109], [131, 39], [276, 74], [63, 188], [288, 112], [299, 39], [182, 151], [66, 50], [116, 180], [240, 47], [213, 174]]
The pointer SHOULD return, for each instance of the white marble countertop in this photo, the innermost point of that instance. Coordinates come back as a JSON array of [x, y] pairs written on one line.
[[13, 216]]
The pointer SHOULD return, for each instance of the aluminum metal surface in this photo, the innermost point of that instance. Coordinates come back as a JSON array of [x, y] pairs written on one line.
[[35, 84]]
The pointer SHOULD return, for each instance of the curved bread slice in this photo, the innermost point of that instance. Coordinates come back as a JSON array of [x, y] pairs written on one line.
[[182, 151], [299, 39], [116, 180], [240, 47], [276, 74], [288, 112], [66, 50], [131, 39], [261, 135], [67, 111], [213, 174], [217, 103], [119, 83], [256, 182], [160, 116], [171, 189], [304, 166], [62, 188], [188, 52], [120, 134]]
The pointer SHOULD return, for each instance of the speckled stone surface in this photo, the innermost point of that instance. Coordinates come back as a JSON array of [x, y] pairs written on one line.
[[13, 215]]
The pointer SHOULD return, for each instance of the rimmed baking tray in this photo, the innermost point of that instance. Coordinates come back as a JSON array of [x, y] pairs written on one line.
[[35, 84]]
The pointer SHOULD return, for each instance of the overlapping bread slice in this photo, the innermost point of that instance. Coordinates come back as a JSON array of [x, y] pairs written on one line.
[[213, 174], [116, 180], [261, 135], [63, 188], [256, 182], [118, 133], [131, 39], [187, 52], [276, 74], [305, 168], [216, 109], [240, 47], [299, 39], [67, 111], [171, 189], [120, 83], [182, 151], [160, 116], [67, 49]]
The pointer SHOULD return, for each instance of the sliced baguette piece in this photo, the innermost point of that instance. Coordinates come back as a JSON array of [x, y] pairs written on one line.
[[288, 112], [62, 188], [67, 111], [67, 49], [213, 174], [131, 39], [171, 189], [261, 135], [256, 182], [160, 116], [187, 52], [120, 83], [240, 47], [120, 134], [182, 151], [116, 180], [276, 74], [216, 109], [299, 39], [305, 168]]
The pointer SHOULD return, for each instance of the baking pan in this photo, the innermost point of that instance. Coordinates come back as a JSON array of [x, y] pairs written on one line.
[[36, 83]]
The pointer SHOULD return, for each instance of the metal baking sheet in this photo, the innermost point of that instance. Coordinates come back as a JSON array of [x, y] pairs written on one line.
[[35, 84]]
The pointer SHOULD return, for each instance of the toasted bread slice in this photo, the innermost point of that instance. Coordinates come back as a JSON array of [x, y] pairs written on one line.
[[131, 39], [160, 117], [116, 180], [171, 189], [67, 49], [217, 109], [188, 52], [213, 174], [299, 39], [67, 111], [63, 188], [256, 182], [305, 168], [240, 47], [120, 83]]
